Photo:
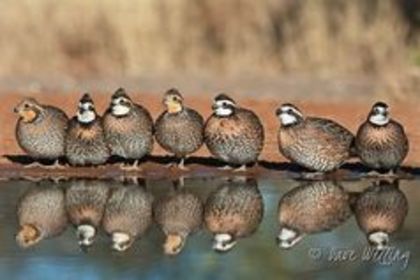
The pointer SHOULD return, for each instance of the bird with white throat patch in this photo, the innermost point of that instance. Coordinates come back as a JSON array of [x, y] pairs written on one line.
[[233, 211], [318, 144], [85, 139], [381, 142], [128, 129], [233, 134]]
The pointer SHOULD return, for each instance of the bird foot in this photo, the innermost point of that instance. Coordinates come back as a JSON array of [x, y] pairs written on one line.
[[225, 168], [241, 169], [132, 167]]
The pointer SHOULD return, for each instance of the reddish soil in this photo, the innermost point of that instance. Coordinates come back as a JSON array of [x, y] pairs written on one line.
[[350, 114]]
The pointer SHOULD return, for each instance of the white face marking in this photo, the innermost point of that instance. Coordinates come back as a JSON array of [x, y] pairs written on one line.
[[86, 234], [288, 238], [223, 242], [86, 117], [286, 118], [223, 112], [120, 110], [85, 105], [220, 103], [222, 108], [380, 117], [120, 241], [380, 239]]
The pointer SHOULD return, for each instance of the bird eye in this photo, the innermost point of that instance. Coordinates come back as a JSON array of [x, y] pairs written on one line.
[[289, 111], [26, 106]]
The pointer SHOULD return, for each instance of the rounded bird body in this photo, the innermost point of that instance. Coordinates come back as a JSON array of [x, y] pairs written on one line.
[[315, 143], [179, 130], [178, 214], [232, 134], [234, 210], [85, 206], [381, 143], [41, 129], [311, 208], [380, 211], [41, 214], [85, 140], [128, 215], [128, 128]]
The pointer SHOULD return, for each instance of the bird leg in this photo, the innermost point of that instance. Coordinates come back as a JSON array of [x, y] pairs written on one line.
[[134, 167], [226, 167], [181, 165], [241, 168]]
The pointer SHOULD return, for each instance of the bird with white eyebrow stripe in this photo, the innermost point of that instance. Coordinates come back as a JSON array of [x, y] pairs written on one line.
[[233, 134], [85, 140], [317, 144], [381, 142], [128, 129]]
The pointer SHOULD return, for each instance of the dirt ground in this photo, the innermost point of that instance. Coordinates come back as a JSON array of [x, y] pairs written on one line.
[[350, 114]]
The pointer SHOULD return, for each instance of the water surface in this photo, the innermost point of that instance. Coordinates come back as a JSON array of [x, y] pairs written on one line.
[[255, 257]]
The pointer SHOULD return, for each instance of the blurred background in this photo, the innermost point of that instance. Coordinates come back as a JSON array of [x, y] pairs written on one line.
[[372, 45]]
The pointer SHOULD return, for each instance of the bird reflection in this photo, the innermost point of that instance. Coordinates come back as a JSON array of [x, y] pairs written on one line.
[[85, 205], [233, 211], [128, 215], [178, 214], [41, 214], [311, 208], [380, 211]]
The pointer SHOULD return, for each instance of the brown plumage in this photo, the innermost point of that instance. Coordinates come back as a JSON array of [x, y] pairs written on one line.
[[179, 130], [381, 142], [41, 215], [41, 129], [128, 127], [314, 143], [311, 208], [85, 140], [85, 206], [178, 214], [233, 134], [233, 211], [380, 211], [128, 215]]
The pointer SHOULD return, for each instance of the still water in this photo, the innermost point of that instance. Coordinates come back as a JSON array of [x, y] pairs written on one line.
[[333, 220]]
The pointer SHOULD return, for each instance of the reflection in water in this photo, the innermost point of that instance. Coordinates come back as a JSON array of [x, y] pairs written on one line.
[[85, 205], [311, 208], [41, 214], [380, 211], [233, 211], [128, 215], [178, 213], [234, 208]]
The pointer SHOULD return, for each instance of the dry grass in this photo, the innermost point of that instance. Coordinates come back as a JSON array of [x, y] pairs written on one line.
[[106, 37]]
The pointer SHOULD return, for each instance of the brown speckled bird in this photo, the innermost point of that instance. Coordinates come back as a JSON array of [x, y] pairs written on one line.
[[235, 210], [317, 144], [381, 142], [128, 215], [41, 215], [312, 208], [85, 206], [178, 214], [41, 130], [128, 128], [233, 134], [85, 140], [380, 211], [179, 130]]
